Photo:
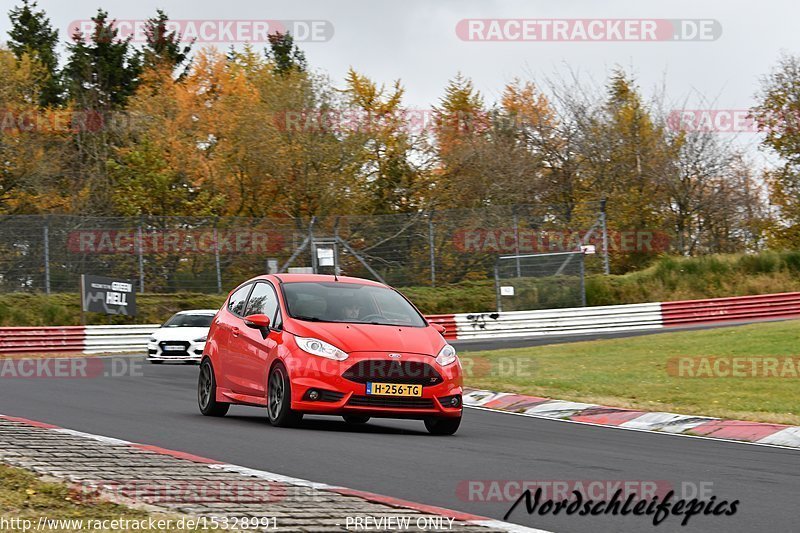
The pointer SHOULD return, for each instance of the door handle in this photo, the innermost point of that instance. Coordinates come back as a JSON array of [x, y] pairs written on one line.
[[235, 331]]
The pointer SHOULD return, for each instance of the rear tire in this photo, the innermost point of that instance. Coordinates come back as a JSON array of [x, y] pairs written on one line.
[[442, 426], [279, 399], [356, 419], [207, 392]]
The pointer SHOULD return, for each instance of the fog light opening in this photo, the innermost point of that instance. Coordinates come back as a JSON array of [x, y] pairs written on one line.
[[455, 401], [313, 395]]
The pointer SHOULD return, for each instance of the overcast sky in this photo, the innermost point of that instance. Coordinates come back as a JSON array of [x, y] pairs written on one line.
[[417, 41]]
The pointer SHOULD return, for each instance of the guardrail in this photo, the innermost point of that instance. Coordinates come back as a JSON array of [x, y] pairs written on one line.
[[64, 339], [571, 321], [462, 326], [111, 339], [783, 305]]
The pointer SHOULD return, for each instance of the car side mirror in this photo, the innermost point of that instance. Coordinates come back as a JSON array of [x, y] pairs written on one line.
[[440, 328], [257, 321]]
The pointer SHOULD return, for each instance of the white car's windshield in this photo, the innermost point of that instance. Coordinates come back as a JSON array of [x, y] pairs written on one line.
[[184, 320], [349, 302]]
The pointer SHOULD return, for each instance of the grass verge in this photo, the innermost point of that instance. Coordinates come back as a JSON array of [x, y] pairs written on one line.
[[23, 496], [633, 372]]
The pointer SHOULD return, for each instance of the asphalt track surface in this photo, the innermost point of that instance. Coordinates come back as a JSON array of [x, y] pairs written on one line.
[[156, 404]]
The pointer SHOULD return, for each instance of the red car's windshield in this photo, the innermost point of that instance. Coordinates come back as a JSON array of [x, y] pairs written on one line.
[[349, 302]]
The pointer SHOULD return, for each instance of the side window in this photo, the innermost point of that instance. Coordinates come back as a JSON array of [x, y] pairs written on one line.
[[237, 300], [263, 301]]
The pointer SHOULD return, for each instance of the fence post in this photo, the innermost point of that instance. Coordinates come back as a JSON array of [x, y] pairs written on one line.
[[497, 295], [216, 258], [516, 242], [431, 245], [606, 267], [583, 281], [314, 261], [47, 255], [140, 252]]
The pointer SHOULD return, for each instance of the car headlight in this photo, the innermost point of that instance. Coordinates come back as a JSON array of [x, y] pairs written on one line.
[[201, 339], [447, 355], [320, 348]]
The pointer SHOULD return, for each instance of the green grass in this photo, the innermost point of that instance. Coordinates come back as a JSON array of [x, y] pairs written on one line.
[[24, 496], [632, 372]]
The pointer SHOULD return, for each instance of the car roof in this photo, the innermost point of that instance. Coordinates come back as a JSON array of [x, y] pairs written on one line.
[[198, 312], [311, 278]]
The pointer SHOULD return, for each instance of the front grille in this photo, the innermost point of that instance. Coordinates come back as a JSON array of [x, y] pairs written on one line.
[[391, 401], [184, 352], [386, 371]]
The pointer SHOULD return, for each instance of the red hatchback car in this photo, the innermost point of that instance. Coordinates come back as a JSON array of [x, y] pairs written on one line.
[[313, 344]]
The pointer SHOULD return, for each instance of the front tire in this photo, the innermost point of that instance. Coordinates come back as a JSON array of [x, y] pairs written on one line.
[[279, 399], [442, 426], [207, 392]]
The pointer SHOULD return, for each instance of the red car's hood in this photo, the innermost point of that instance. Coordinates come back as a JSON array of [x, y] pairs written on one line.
[[371, 338]]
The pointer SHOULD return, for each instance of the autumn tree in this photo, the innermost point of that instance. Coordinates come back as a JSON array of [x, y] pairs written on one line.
[[101, 74], [391, 171], [284, 55], [777, 114], [461, 123], [103, 70], [32, 140], [31, 33], [163, 48]]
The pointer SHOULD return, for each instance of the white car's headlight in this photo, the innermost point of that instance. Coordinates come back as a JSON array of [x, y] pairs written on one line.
[[320, 348], [447, 355], [201, 339]]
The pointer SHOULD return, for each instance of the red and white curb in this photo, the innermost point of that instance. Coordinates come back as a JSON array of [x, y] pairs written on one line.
[[466, 518], [599, 415]]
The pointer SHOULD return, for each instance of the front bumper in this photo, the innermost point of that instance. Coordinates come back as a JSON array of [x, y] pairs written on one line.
[[191, 351], [337, 395]]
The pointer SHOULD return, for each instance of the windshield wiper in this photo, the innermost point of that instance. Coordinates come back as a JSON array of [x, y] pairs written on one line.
[[309, 318]]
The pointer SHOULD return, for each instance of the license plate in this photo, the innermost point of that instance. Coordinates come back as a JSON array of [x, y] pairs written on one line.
[[394, 389], [169, 348]]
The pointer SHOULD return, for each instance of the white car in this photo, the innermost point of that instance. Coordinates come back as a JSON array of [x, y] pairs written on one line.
[[181, 338]]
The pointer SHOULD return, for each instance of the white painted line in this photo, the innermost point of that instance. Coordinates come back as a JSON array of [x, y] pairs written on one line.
[[269, 476], [511, 528], [107, 440]]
